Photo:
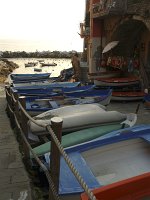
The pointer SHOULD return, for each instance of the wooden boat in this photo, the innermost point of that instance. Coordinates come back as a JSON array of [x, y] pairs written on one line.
[[31, 64], [116, 81], [89, 134], [47, 90], [36, 69], [133, 188], [78, 117], [21, 77], [45, 84], [147, 101], [48, 64], [36, 105], [49, 83], [106, 74], [108, 161], [128, 96]]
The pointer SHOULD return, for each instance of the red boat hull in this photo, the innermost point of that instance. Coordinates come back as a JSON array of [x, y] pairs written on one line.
[[136, 188]]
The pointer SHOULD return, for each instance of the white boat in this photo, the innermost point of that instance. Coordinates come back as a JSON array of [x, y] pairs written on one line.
[[78, 117]]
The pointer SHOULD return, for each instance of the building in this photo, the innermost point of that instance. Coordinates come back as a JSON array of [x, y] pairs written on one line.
[[125, 21]]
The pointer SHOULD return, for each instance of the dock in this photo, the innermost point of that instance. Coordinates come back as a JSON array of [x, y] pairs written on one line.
[[14, 179]]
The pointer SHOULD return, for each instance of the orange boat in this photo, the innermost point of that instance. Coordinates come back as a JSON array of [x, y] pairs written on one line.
[[107, 74], [128, 96], [136, 188], [123, 81]]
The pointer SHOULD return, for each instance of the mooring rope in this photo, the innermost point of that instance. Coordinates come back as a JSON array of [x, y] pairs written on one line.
[[43, 167], [63, 153], [60, 148]]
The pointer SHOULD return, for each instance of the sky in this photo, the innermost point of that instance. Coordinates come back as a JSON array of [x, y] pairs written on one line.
[[31, 25]]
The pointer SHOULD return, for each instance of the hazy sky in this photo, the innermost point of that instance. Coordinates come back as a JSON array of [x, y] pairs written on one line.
[[41, 25]]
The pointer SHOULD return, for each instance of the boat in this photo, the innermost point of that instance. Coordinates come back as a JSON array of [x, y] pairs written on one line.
[[31, 64], [36, 69], [48, 64], [47, 90], [89, 134], [106, 161], [128, 95], [38, 104], [21, 77], [147, 101], [105, 74], [133, 188], [103, 96], [122, 81], [45, 84], [40, 60], [78, 117]]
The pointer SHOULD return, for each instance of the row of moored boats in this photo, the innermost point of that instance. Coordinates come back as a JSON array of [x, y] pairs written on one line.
[[108, 149]]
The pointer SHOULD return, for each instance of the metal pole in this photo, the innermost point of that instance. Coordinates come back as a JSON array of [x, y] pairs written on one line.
[[56, 123]]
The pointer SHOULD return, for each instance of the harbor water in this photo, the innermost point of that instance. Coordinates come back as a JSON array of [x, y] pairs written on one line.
[[62, 63]]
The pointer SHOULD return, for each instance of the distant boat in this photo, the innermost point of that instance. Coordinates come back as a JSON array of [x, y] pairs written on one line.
[[48, 64], [37, 69], [30, 64], [40, 61]]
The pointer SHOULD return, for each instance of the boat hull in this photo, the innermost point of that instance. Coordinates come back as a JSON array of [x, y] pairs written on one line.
[[127, 96], [107, 74], [116, 81]]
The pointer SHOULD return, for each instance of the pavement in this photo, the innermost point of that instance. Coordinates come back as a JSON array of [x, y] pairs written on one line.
[[14, 180]]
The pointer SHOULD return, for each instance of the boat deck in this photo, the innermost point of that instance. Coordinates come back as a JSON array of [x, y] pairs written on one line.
[[14, 180]]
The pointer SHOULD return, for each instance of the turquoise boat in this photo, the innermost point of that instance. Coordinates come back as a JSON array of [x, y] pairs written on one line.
[[81, 136]]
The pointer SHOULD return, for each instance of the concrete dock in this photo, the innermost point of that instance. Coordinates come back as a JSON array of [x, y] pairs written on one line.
[[14, 180]]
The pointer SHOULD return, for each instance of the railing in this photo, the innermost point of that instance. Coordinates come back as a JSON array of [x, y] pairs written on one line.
[[16, 111]]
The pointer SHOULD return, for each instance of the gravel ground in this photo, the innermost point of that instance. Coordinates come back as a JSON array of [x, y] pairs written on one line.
[[143, 115]]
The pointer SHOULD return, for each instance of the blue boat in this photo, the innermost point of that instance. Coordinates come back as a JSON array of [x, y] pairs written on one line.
[[47, 90], [21, 77], [105, 161], [33, 85], [35, 105]]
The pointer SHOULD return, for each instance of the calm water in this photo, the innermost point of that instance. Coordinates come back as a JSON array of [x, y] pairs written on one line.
[[54, 70]]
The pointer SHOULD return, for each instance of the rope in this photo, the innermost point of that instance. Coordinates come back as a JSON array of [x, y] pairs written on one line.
[[68, 161], [7, 93], [51, 184], [63, 153], [15, 101]]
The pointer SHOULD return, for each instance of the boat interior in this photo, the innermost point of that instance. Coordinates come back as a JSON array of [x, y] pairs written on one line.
[[118, 161]]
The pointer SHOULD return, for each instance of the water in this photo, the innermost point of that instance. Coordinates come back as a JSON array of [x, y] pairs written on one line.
[[62, 63]]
